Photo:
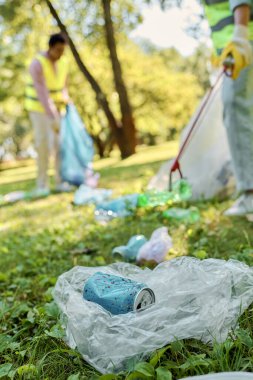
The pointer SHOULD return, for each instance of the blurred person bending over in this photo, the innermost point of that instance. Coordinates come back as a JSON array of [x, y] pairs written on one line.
[[45, 99], [231, 23]]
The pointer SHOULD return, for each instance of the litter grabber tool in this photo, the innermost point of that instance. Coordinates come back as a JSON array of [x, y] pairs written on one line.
[[228, 65], [194, 123]]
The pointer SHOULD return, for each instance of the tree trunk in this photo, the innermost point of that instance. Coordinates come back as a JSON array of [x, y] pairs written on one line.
[[115, 127], [100, 146], [128, 126]]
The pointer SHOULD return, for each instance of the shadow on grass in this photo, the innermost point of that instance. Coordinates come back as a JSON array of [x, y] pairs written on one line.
[[22, 185]]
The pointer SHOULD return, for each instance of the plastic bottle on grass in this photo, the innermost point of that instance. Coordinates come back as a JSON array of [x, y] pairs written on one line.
[[153, 199], [105, 215], [190, 215], [129, 252], [181, 191]]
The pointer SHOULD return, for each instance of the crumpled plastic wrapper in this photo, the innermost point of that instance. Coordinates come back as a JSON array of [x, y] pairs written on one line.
[[157, 247], [194, 299]]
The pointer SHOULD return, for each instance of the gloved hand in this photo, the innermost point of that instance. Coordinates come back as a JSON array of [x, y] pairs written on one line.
[[240, 49], [56, 125], [66, 99], [55, 117], [56, 122]]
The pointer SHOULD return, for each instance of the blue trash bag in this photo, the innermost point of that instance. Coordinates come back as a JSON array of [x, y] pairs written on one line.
[[76, 148]]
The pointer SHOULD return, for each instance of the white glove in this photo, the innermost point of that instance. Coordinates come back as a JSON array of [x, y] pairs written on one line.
[[241, 40]]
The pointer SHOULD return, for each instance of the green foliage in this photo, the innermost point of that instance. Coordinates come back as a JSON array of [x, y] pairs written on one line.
[[74, 377], [20, 37], [163, 86], [162, 373], [145, 369], [5, 370]]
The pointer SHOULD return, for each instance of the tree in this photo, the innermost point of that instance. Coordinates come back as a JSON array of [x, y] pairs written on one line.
[[100, 96], [127, 120], [163, 86]]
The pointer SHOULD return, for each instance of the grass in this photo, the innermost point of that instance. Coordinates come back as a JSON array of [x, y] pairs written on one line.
[[38, 243]]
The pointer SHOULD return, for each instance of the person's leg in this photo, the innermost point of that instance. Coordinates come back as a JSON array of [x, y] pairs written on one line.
[[41, 127], [55, 126], [238, 121], [59, 184]]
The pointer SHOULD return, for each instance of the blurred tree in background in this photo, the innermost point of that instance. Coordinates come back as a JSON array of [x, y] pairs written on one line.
[[162, 86]]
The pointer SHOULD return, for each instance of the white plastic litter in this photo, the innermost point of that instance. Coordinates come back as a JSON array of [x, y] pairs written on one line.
[[194, 299], [157, 247], [14, 196], [91, 178], [87, 195], [206, 162], [223, 376]]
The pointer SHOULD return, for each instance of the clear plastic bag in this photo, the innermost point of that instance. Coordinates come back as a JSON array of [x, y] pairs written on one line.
[[206, 162], [194, 299], [223, 376]]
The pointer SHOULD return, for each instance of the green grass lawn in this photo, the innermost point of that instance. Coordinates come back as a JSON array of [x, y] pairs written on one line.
[[38, 241]]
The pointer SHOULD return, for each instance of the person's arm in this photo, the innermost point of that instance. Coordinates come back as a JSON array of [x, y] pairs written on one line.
[[65, 93], [242, 14], [241, 31], [41, 89]]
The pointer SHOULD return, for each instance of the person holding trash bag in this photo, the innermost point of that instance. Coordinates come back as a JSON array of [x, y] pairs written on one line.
[[46, 97], [231, 25]]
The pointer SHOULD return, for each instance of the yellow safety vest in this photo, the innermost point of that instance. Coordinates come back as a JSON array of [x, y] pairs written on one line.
[[55, 81], [221, 21]]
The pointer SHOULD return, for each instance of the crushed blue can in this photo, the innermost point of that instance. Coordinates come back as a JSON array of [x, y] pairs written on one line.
[[116, 294]]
